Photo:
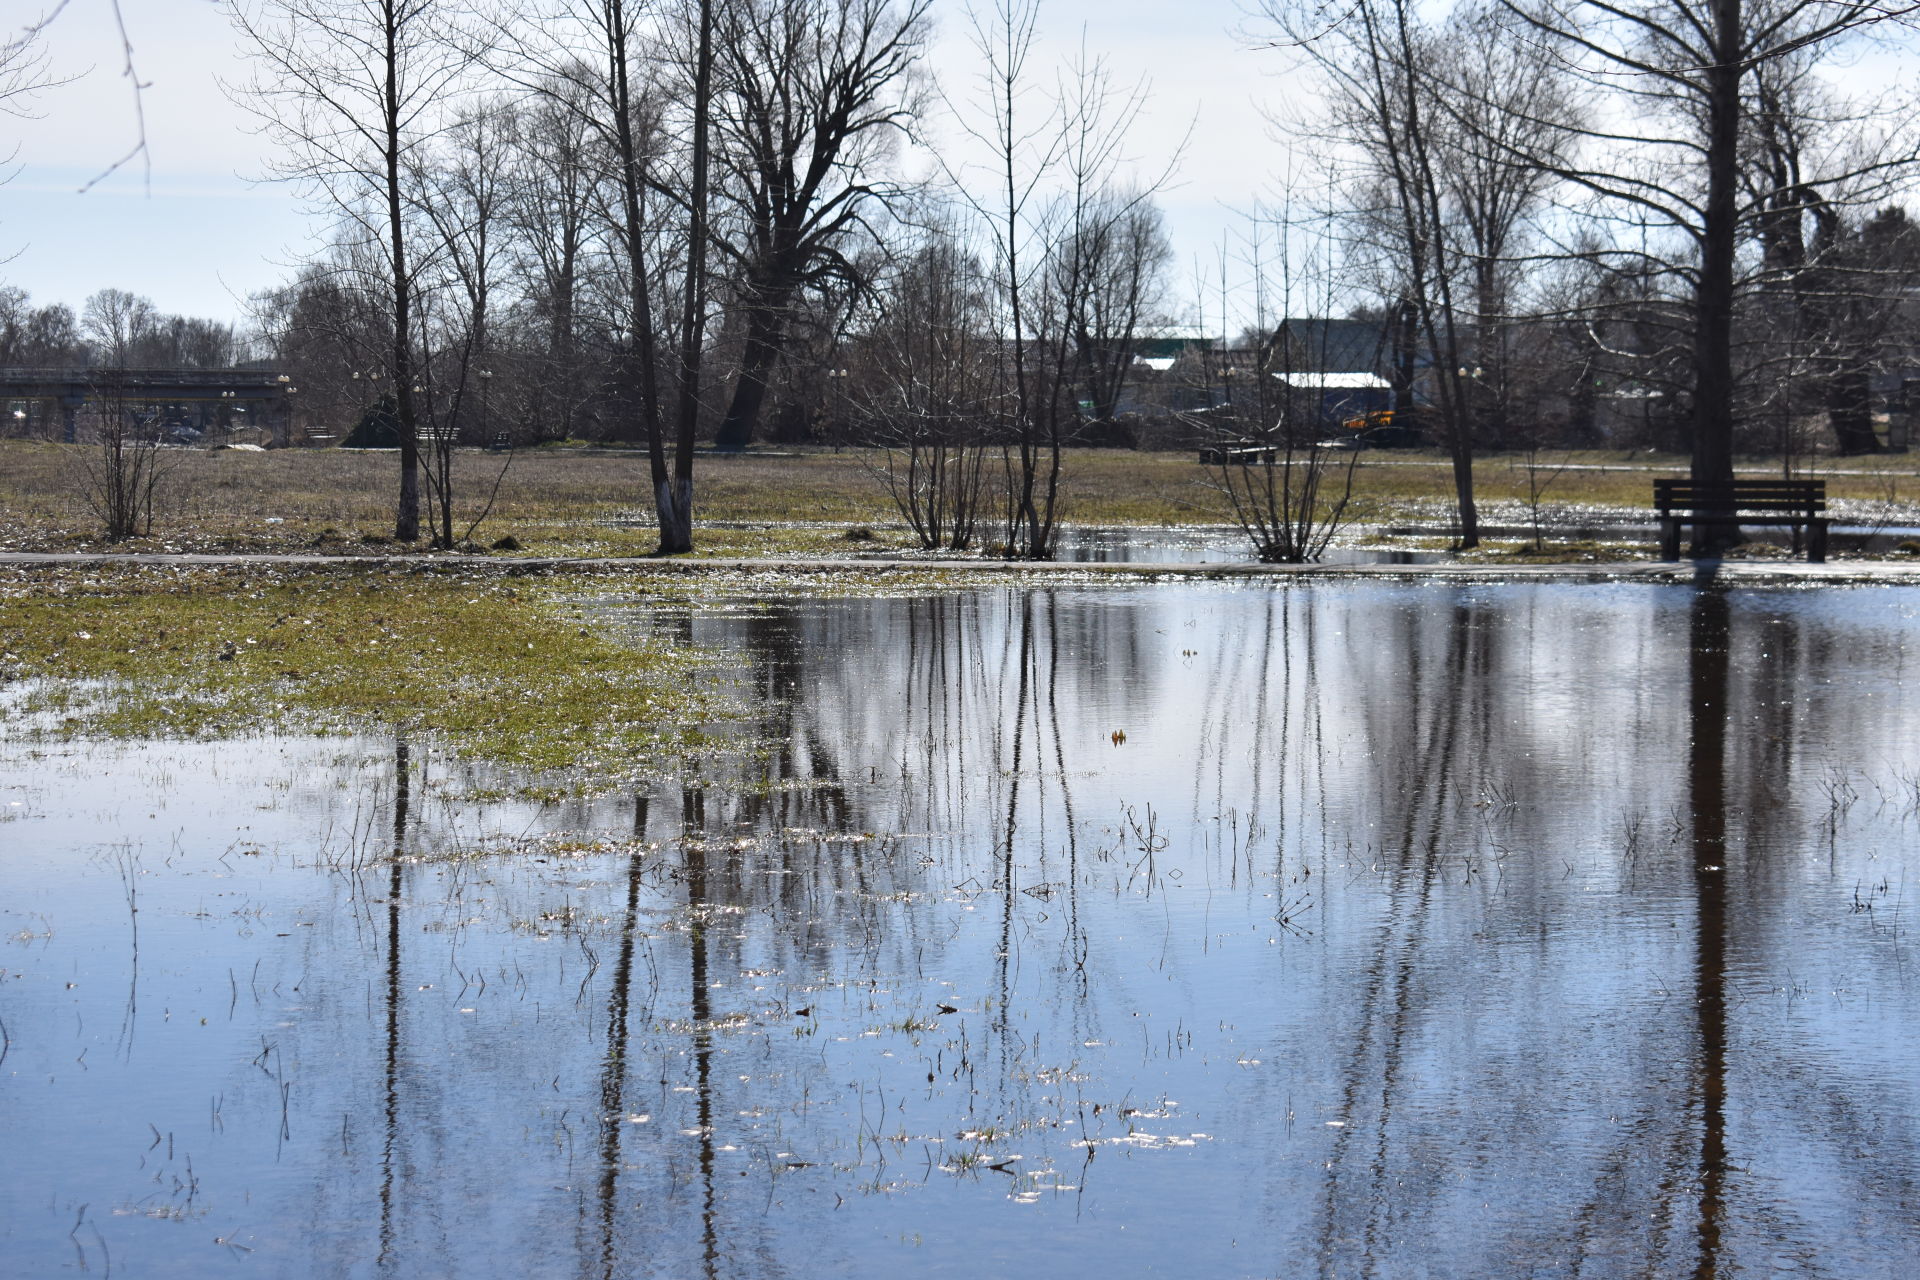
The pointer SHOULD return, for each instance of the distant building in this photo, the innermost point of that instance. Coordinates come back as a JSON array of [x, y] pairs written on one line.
[[1333, 397]]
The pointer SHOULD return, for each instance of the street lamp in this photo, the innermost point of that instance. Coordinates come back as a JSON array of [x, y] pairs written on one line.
[[486, 386], [837, 397]]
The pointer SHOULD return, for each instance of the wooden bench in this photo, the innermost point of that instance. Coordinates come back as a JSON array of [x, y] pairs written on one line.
[[1794, 503], [1221, 455]]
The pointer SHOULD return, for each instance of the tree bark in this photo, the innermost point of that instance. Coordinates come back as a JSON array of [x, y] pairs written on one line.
[[1713, 293], [406, 520], [1850, 411], [674, 497], [408, 513], [757, 363]]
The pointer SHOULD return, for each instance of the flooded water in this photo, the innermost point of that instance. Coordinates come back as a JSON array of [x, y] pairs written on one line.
[[1195, 929], [1199, 544]]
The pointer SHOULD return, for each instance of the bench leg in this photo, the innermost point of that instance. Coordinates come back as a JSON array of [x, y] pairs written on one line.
[[1669, 539], [1817, 542]]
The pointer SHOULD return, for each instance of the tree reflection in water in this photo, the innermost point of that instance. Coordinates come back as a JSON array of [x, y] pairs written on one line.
[[613, 1080], [1709, 641], [390, 1099]]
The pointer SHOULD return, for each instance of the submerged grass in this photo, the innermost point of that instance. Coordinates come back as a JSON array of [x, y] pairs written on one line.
[[502, 670]]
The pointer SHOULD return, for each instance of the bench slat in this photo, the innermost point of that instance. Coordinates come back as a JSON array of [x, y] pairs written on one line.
[[1763, 507], [1742, 495]]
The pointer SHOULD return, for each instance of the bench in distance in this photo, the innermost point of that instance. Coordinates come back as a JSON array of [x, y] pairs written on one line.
[[1781, 503]]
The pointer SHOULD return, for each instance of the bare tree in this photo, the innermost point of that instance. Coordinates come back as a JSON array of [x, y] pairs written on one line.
[[23, 73], [1055, 171], [1023, 153], [810, 95], [123, 470], [1123, 254], [1494, 91], [191, 342], [1288, 493], [555, 182], [31, 335], [597, 61], [330, 337], [923, 376], [1374, 63], [1828, 281], [461, 191], [1684, 86], [352, 89], [674, 497], [118, 324]]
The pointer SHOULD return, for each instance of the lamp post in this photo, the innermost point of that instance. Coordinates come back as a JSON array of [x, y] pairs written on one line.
[[486, 385], [837, 379]]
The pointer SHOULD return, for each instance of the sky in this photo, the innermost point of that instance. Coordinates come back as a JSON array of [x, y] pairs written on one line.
[[196, 230]]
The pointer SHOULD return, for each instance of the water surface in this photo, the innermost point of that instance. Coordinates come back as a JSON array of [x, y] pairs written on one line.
[[1224, 929]]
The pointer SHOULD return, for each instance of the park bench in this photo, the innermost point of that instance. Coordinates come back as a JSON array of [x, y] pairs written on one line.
[[1241, 454], [1780, 503]]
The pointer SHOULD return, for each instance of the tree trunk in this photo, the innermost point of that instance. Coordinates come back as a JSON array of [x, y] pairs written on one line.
[[675, 498], [1489, 384], [1105, 373], [406, 520], [674, 501], [560, 348], [1404, 329], [1713, 294], [1850, 411], [756, 369]]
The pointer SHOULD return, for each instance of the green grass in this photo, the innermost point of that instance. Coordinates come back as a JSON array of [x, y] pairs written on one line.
[[501, 670]]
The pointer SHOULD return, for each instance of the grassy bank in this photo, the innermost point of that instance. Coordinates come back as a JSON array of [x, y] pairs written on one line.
[[507, 671], [577, 683], [567, 501]]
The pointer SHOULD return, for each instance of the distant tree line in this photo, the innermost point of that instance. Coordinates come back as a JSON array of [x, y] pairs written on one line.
[[114, 329], [670, 222]]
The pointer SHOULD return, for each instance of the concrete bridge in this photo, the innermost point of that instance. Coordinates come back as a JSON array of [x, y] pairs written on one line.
[[216, 400]]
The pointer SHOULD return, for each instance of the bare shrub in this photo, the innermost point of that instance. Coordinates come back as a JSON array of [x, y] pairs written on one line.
[[122, 465]]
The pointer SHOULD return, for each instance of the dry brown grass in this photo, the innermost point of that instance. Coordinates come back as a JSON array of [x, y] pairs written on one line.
[[594, 501]]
